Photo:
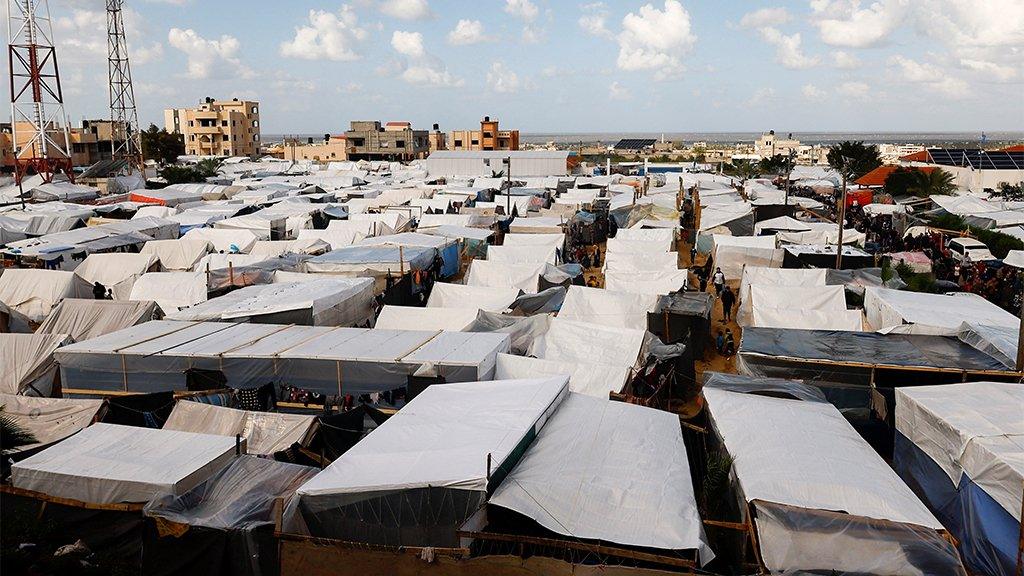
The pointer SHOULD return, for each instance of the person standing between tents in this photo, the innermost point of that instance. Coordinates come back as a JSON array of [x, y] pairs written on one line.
[[718, 279], [702, 278], [99, 291], [728, 300], [730, 343]]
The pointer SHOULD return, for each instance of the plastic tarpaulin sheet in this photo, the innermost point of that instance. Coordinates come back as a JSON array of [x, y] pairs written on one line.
[[849, 320], [486, 273], [433, 318], [782, 387], [784, 452], [223, 239], [48, 419], [108, 463], [636, 263], [522, 330], [651, 282], [83, 319], [590, 378], [1014, 258], [272, 248], [572, 478], [33, 292], [608, 308], [171, 290], [264, 432], [437, 445], [180, 254], [781, 277], [662, 236], [26, 363], [521, 254], [582, 342], [116, 271], [619, 245], [546, 240], [999, 342], [809, 307], [491, 299], [373, 259], [887, 308]]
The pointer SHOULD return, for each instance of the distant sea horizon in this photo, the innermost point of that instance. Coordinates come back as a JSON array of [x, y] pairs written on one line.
[[823, 138]]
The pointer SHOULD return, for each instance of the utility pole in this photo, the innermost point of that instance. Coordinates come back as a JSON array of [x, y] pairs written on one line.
[[789, 172], [508, 185], [842, 223], [39, 127], [126, 139]]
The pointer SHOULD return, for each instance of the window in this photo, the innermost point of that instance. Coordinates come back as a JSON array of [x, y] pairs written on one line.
[[192, 137], [458, 143], [399, 143], [232, 122], [256, 138], [476, 142], [255, 123], [488, 135], [191, 123], [255, 110], [358, 142], [223, 122], [226, 138]]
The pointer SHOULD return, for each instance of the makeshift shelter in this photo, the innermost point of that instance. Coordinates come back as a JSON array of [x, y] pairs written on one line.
[[27, 365], [486, 273], [537, 225], [178, 255], [116, 271], [225, 525], [432, 318], [325, 301], [522, 254], [590, 378], [109, 464], [224, 240], [931, 313], [774, 277], [522, 330], [264, 432], [155, 356], [733, 253], [574, 341], [658, 282], [447, 248], [608, 308], [824, 256], [445, 295], [657, 236], [641, 245], [171, 291], [83, 319], [425, 471], [570, 478], [808, 307], [683, 317], [556, 240], [959, 446], [33, 293], [660, 261], [49, 420], [816, 512], [374, 260]]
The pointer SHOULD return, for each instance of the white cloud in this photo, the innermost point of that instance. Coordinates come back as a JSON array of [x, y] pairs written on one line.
[[594, 20], [845, 60], [328, 36], [406, 9], [765, 17], [653, 39], [996, 71], [532, 34], [846, 23], [761, 96], [426, 75], [618, 92], [812, 92], [466, 32], [525, 10], [854, 90], [408, 43], [973, 23], [209, 58], [502, 80], [932, 77]]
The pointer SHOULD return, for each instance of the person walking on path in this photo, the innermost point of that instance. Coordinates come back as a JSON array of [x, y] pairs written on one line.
[[718, 280], [728, 300]]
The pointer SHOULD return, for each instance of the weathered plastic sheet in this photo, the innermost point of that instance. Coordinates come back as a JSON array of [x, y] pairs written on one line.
[[180, 254], [171, 290], [574, 341], [445, 295], [607, 307], [522, 254], [48, 419], [590, 378], [525, 277], [432, 318], [264, 432], [652, 282], [886, 308], [116, 271], [34, 292], [26, 363], [82, 319]]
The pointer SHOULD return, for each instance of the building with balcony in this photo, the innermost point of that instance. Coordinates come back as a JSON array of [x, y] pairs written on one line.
[[488, 137], [396, 141], [217, 127]]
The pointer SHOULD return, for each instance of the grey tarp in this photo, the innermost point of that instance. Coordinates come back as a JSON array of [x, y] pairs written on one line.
[[765, 386], [83, 319], [48, 419], [26, 363]]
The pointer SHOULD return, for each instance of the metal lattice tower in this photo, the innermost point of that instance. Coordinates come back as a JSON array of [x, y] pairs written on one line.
[[127, 140], [39, 126]]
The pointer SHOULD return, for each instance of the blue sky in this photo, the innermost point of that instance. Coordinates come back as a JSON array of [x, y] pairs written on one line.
[[566, 66]]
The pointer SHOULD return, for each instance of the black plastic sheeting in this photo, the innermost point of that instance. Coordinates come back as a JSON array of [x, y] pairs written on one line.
[[777, 387], [340, 432], [142, 410], [542, 302]]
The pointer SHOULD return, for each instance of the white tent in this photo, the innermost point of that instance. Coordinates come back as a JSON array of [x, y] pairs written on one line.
[[571, 479], [224, 240], [733, 253], [525, 277], [34, 292], [931, 313], [619, 245], [590, 378], [664, 236], [522, 254], [445, 295], [48, 419], [547, 240], [573, 341], [264, 432], [1014, 258], [171, 290], [180, 254], [82, 318], [650, 282], [108, 464], [608, 308], [26, 363], [433, 318], [537, 225], [805, 307], [116, 271], [334, 237], [661, 261]]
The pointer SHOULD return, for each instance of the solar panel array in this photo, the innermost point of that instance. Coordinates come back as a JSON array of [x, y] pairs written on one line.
[[979, 159], [634, 143]]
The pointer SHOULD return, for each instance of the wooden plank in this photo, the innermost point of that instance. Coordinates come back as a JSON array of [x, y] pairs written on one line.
[[120, 507], [596, 548]]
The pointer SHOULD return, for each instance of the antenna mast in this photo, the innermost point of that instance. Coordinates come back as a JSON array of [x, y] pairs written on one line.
[[126, 140]]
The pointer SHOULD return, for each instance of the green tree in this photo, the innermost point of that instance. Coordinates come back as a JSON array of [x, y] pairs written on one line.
[[916, 182], [780, 164], [208, 167], [744, 169], [1010, 192], [162, 146], [178, 174], [853, 159], [12, 435]]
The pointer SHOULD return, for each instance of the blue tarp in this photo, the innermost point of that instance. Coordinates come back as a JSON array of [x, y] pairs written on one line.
[[988, 534]]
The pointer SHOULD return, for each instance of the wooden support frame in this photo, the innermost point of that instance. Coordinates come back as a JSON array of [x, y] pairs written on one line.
[[46, 498], [583, 547]]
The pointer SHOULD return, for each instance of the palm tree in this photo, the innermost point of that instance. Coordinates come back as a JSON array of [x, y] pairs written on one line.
[[927, 184], [11, 434]]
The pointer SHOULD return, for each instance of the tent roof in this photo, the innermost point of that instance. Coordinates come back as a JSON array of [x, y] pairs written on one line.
[[83, 319]]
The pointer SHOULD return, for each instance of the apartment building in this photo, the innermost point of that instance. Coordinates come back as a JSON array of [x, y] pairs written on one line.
[[369, 140], [333, 148], [90, 143], [769, 145], [217, 127], [488, 137]]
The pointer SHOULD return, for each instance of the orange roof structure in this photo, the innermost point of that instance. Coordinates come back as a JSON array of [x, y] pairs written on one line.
[[921, 156], [877, 176], [1014, 148]]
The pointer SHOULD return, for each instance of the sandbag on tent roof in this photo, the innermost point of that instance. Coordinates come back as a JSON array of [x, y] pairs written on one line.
[[445, 295], [960, 446], [816, 512], [109, 463], [230, 520], [171, 290], [26, 363], [522, 254], [931, 313], [34, 292], [82, 319], [649, 282], [264, 432], [428, 463], [49, 420], [325, 301], [116, 271], [590, 378], [224, 239], [573, 341], [525, 277], [180, 254], [416, 318], [608, 308], [571, 477]]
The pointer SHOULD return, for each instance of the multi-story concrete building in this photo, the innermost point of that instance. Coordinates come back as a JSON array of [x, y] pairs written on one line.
[[488, 137], [217, 127], [438, 139], [768, 145], [333, 148], [90, 143], [368, 140]]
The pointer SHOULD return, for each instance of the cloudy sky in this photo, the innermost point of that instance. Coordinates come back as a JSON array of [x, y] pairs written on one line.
[[566, 66]]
